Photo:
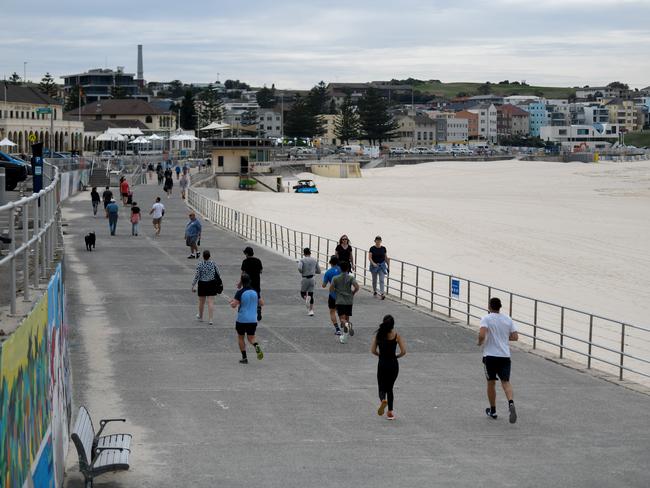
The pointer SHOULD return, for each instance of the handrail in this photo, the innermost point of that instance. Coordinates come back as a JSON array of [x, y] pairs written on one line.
[[616, 345], [39, 209]]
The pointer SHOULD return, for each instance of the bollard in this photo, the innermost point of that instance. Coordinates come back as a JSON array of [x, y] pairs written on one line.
[[3, 182]]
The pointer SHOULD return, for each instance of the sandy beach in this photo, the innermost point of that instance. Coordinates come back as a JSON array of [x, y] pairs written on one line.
[[570, 233]]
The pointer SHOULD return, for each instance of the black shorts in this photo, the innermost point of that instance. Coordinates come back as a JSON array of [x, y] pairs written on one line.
[[331, 303], [496, 366], [207, 288], [344, 310], [247, 329]]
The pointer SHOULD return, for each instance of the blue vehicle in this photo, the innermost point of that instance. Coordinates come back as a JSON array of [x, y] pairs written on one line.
[[305, 186], [16, 170]]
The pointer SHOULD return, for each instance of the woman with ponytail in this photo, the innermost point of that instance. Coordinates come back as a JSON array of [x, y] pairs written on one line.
[[384, 346]]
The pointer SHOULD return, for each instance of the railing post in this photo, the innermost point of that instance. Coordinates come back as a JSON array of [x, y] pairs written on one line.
[[417, 281], [295, 242], [41, 243], [535, 326], [449, 297], [469, 299], [12, 263], [561, 332], [433, 295], [26, 252], [318, 245], [401, 281], [365, 268], [510, 308], [37, 245], [591, 333], [620, 369]]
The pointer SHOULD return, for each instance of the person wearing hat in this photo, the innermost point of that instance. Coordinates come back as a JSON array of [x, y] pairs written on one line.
[[252, 266], [193, 236], [379, 261]]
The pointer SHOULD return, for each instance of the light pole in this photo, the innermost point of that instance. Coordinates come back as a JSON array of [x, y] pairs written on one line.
[[25, 72]]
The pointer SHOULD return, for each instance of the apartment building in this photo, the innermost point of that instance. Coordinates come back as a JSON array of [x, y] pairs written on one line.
[[537, 116], [512, 121], [269, 122], [451, 130], [127, 109], [472, 123], [487, 121], [623, 113], [98, 84], [582, 137], [415, 130]]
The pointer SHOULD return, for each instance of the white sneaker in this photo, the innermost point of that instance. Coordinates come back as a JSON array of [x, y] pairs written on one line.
[[198, 317], [311, 313]]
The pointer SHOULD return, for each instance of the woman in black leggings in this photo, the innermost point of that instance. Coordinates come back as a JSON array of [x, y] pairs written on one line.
[[384, 346]]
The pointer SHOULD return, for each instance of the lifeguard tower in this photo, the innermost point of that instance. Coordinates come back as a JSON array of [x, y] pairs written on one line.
[[243, 163]]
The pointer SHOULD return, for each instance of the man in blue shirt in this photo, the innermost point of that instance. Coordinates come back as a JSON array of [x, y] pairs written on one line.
[[111, 213], [192, 236], [246, 301], [333, 271]]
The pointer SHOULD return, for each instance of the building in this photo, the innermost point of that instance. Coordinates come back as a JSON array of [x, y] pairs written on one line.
[[269, 122], [452, 130], [592, 113], [537, 116], [414, 130], [487, 121], [582, 137], [99, 84], [512, 121], [94, 128], [472, 123], [339, 91], [599, 92], [23, 121], [133, 110], [623, 113]]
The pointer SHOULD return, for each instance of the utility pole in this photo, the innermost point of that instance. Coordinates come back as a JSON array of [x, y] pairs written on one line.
[[25, 72]]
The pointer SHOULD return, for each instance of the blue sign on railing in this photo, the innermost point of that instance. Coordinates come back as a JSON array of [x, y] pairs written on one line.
[[455, 288]]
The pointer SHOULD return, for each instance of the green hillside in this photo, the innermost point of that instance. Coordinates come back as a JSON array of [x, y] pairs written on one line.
[[638, 139], [449, 90]]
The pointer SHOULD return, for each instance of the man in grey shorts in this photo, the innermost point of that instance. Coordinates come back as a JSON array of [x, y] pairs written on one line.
[[308, 267]]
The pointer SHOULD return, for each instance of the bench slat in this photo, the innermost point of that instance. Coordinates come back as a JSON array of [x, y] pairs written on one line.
[[115, 440]]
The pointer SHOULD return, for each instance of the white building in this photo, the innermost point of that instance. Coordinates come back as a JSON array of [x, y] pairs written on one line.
[[582, 137], [487, 121], [269, 122]]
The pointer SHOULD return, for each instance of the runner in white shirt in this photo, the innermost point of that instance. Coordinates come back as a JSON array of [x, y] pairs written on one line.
[[496, 331], [157, 212]]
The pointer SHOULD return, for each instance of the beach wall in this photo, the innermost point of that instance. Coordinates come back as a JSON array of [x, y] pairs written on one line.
[[35, 395]]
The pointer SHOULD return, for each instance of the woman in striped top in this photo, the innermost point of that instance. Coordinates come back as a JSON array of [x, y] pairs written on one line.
[[206, 273]]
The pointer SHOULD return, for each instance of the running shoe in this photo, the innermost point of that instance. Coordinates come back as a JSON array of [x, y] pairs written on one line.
[[191, 256], [199, 318], [382, 408], [243, 361], [259, 352], [374, 293], [490, 414], [310, 313], [337, 331], [390, 415], [345, 328], [211, 323], [351, 330], [513, 413], [383, 297]]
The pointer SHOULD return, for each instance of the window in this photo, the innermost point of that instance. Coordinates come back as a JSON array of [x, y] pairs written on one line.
[[148, 119], [269, 127], [113, 116], [220, 161], [562, 132], [11, 114]]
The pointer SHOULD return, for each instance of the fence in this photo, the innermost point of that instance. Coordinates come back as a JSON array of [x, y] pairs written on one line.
[[33, 237], [610, 345]]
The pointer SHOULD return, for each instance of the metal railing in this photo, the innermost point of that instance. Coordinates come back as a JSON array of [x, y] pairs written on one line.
[[614, 346], [33, 237]]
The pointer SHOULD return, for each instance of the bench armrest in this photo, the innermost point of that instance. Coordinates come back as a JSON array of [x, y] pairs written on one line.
[[102, 424]]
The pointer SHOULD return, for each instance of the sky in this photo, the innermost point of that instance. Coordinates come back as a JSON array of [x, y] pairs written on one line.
[[296, 44]]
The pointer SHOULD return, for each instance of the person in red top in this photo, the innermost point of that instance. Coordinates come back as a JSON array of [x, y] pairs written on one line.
[[124, 190]]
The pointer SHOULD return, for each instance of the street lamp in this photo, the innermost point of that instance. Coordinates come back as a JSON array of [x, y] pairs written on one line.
[[24, 72]]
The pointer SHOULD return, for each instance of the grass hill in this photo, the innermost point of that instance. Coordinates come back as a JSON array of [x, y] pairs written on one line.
[[450, 90], [638, 139]]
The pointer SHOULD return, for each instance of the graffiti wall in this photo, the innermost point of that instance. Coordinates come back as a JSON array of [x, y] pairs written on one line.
[[35, 395]]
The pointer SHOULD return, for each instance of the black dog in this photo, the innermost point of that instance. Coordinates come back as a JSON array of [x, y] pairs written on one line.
[[90, 241]]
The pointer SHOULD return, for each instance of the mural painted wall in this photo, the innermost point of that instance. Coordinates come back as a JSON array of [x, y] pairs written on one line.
[[35, 395]]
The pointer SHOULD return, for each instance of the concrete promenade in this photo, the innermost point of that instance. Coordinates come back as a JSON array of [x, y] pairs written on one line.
[[305, 416]]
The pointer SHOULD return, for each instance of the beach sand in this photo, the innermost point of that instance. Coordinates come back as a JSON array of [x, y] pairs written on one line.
[[570, 233]]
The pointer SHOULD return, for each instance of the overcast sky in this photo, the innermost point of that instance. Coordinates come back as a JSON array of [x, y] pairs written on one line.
[[295, 44]]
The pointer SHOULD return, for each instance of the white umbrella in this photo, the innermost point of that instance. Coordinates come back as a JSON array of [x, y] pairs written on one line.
[[183, 137], [105, 137], [139, 140], [155, 137], [7, 142]]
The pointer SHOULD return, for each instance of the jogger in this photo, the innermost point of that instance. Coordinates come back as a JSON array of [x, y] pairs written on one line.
[[329, 275], [246, 301], [308, 267]]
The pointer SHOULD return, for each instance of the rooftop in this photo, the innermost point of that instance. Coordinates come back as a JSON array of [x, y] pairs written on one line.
[[127, 106], [25, 94]]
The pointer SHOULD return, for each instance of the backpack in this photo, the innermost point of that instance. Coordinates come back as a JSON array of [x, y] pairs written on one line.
[[218, 283]]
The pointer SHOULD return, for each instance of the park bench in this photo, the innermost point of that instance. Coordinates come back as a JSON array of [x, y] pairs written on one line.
[[99, 454]]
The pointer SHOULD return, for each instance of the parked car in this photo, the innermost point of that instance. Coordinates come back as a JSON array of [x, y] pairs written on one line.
[[107, 154], [397, 150], [16, 170], [421, 150]]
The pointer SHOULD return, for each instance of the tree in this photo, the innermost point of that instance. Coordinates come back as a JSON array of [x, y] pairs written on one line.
[[14, 79], [377, 125], [118, 92], [210, 106], [48, 86], [301, 122], [317, 99], [619, 85], [347, 123], [236, 85], [484, 89], [188, 111], [266, 97], [74, 99], [176, 89]]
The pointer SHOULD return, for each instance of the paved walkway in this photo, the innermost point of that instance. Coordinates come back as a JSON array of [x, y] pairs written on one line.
[[305, 415]]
